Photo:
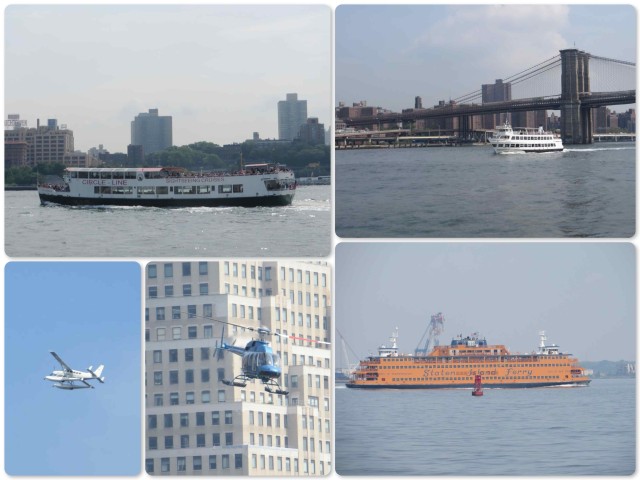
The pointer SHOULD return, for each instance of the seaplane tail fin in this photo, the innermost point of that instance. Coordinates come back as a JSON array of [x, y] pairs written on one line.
[[96, 373]]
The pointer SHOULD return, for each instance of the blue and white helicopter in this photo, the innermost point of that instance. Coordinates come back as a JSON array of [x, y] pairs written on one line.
[[259, 361]]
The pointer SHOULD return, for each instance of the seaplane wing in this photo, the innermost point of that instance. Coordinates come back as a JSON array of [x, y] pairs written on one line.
[[65, 367]]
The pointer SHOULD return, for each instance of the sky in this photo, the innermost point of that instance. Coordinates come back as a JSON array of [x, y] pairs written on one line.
[[89, 313], [582, 294], [388, 55], [219, 71]]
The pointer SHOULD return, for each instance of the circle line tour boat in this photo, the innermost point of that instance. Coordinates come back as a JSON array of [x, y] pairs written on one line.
[[263, 184], [524, 140], [457, 365]]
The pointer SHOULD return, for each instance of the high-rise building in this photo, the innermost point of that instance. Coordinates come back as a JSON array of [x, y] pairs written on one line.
[[292, 114], [45, 144], [152, 131], [312, 132], [496, 92], [198, 425]]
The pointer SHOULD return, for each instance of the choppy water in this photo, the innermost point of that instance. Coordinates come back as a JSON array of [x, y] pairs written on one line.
[[302, 229], [544, 431], [471, 192]]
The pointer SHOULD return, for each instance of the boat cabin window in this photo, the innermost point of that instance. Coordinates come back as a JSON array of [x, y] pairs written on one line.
[[82, 174], [94, 174], [105, 175], [130, 174], [118, 175], [224, 188]]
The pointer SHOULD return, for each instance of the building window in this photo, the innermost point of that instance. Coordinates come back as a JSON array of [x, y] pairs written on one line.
[[228, 438], [168, 420], [203, 268], [182, 464], [153, 292], [212, 462], [215, 418], [152, 270], [164, 465], [152, 421], [186, 269], [208, 331], [177, 333], [184, 441], [149, 465], [204, 289], [157, 356], [173, 355], [215, 438], [168, 290], [206, 396], [228, 417], [184, 419], [204, 375], [200, 440], [238, 460], [158, 400], [159, 313], [157, 378], [174, 398], [225, 461], [168, 270], [186, 290], [188, 376], [192, 332], [188, 354], [190, 398], [204, 353], [175, 313], [173, 377], [197, 463]]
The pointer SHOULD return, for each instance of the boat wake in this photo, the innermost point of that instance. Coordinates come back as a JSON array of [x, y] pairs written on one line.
[[597, 149]]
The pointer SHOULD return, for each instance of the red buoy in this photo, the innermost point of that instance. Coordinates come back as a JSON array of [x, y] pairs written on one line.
[[477, 387]]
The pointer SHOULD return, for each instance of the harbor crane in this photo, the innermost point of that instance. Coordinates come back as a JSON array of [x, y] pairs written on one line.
[[433, 331]]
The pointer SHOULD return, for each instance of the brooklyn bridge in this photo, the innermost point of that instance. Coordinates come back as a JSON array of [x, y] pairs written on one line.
[[573, 82]]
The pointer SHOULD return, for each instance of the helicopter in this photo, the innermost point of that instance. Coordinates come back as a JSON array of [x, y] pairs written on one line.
[[259, 361]]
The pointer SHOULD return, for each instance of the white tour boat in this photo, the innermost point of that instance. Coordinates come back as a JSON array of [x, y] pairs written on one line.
[[262, 184], [509, 140]]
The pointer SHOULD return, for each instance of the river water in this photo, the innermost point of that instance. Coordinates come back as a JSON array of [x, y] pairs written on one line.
[[585, 191], [541, 431], [302, 229]]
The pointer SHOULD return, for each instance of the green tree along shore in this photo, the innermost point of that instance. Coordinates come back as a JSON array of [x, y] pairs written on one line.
[[305, 160]]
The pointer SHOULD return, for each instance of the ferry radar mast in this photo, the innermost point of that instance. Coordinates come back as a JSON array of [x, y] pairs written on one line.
[[435, 328]]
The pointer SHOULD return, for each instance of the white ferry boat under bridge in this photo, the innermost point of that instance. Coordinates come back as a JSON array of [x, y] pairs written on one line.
[[256, 185], [524, 140]]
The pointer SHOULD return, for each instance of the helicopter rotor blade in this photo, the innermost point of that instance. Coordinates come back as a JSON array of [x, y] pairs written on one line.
[[293, 337]]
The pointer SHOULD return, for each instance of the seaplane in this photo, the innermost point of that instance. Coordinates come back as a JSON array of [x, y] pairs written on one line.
[[67, 377]]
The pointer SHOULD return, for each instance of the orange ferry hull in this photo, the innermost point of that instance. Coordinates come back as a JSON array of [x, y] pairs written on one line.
[[456, 366]]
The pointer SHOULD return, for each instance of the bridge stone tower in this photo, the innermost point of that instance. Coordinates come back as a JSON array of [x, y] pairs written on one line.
[[575, 121]]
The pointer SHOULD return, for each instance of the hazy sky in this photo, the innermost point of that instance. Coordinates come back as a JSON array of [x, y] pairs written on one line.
[[388, 55], [89, 313], [219, 71], [582, 294]]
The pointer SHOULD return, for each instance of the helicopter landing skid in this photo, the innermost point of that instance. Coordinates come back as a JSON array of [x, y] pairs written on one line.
[[277, 390], [239, 381]]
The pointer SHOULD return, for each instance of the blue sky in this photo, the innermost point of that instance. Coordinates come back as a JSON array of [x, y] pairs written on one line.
[[388, 55], [219, 71], [90, 314], [582, 294]]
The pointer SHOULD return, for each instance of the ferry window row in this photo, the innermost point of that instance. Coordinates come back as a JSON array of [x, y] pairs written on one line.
[[152, 269], [471, 377], [194, 190], [104, 175], [472, 365], [525, 145]]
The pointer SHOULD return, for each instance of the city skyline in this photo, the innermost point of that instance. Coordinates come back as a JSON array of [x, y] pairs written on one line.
[[439, 52], [220, 74]]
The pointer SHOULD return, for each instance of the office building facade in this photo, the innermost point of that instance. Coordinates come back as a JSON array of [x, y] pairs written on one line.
[[152, 131], [198, 425], [292, 114], [44, 144]]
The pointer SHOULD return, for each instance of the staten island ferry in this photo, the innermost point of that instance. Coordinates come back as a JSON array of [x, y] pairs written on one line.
[[524, 140], [255, 185], [456, 366]]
